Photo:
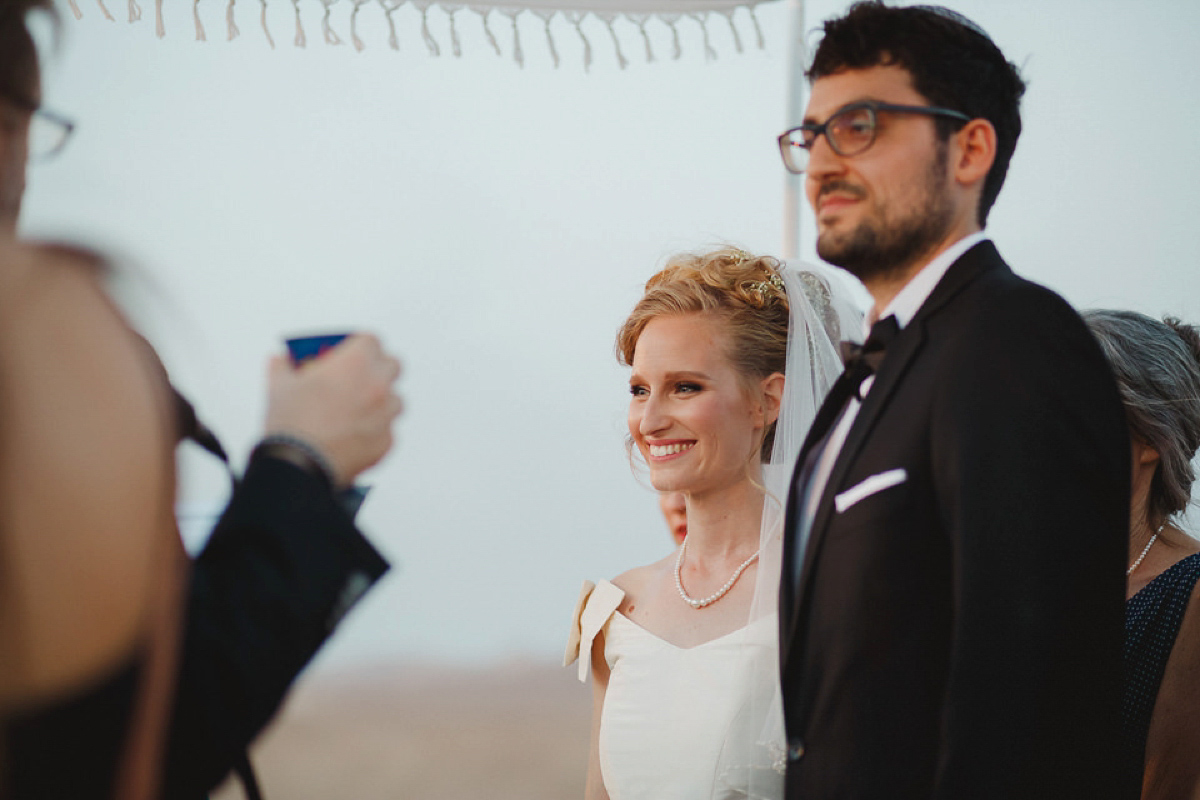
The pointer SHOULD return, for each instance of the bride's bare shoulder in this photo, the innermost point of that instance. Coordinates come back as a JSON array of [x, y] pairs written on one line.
[[639, 582]]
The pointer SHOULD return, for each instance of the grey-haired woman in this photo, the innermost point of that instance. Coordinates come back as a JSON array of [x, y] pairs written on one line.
[[1157, 366]]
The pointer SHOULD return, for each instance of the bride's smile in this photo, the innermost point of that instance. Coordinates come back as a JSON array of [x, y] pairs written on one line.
[[660, 451]]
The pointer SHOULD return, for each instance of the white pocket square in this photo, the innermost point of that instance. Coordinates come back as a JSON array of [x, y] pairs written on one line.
[[868, 487]]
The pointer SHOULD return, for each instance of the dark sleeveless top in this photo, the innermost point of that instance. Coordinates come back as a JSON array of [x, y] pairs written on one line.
[[1152, 619], [71, 747]]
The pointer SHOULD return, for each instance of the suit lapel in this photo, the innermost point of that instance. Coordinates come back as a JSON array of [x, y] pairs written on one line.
[[827, 415], [900, 355]]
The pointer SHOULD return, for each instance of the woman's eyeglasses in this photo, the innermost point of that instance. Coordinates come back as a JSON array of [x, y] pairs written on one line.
[[49, 131]]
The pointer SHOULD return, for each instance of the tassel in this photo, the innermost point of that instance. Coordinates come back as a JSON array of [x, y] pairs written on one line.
[[672, 20], [487, 28], [301, 39], [230, 23], [331, 37], [359, 45], [135, 11], [546, 17], [709, 53], [640, 20], [762, 44], [426, 34], [200, 37], [737, 37], [608, 20], [108, 16], [518, 53], [455, 42], [75, 9], [576, 19], [393, 40], [159, 28], [266, 30]]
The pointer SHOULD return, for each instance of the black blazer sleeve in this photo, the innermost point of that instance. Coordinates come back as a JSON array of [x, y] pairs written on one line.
[[1031, 468], [283, 565]]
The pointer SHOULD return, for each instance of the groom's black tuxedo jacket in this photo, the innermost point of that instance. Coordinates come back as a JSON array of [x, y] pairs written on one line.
[[958, 635]]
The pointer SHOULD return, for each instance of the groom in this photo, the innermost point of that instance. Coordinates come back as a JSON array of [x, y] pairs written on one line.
[[952, 597]]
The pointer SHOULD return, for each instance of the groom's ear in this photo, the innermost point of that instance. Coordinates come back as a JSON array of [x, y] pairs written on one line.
[[772, 394]]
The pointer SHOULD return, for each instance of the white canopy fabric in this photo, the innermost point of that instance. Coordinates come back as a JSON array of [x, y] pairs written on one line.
[[636, 14], [335, 15]]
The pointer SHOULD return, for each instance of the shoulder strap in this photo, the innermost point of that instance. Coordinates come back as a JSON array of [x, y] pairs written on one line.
[[191, 428]]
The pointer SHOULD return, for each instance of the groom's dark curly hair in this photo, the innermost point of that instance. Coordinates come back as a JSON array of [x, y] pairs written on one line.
[[953, 63]]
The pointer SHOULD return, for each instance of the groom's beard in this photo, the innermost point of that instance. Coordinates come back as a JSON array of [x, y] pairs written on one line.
[[889, 241]]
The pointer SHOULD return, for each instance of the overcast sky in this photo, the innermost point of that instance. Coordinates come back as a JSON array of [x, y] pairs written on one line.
[[494, 224]]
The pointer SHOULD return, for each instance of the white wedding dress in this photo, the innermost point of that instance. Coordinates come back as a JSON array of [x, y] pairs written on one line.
[[677, 722]]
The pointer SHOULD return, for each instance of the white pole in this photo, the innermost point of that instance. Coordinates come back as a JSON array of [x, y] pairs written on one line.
[[795, 113]]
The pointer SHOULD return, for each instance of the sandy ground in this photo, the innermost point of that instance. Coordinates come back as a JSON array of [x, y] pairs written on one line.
[[514, 731]]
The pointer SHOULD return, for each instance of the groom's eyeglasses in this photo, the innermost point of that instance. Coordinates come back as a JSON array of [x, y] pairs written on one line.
[[850, 131]]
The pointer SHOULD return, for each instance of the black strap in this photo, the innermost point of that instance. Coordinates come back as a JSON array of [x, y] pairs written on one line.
[[191, 428], [245, 774]]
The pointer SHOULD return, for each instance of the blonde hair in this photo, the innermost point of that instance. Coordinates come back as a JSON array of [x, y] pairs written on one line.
[[744, 291]]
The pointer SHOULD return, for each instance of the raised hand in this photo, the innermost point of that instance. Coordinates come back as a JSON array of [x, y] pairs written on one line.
[[342, 403]]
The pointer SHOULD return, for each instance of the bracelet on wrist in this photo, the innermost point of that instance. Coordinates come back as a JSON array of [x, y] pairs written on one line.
[[298, 451]]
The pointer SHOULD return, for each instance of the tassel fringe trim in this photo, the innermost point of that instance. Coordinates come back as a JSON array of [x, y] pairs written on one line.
[[633, 24]]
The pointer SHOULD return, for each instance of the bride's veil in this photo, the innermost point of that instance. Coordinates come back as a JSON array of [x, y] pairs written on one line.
[[821, 313]]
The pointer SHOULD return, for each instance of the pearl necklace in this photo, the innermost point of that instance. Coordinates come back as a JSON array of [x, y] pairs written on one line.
[[719, 593], [1138, 561]]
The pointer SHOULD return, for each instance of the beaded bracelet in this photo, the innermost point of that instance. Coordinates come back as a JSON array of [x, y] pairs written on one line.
[[314, 460]]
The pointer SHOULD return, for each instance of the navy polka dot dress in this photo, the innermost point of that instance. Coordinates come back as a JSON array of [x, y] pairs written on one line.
[[1152, 619]]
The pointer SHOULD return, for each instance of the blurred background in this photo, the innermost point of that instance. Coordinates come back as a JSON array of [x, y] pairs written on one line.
[[494, 224]]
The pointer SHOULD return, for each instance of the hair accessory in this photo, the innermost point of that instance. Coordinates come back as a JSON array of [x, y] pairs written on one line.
[[739, 256], [773, 282]]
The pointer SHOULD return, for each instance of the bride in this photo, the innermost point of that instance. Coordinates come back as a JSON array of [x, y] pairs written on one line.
[[683, 651]]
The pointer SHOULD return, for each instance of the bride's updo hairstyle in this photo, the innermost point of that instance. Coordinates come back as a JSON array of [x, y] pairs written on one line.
[[745, 291], [1157, 367]]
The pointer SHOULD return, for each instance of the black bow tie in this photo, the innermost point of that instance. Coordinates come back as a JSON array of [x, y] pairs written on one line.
[[867, 356], [861, 362]]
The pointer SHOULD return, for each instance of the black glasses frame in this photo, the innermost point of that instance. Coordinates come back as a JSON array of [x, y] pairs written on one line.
[[64, 124], [811, 131]]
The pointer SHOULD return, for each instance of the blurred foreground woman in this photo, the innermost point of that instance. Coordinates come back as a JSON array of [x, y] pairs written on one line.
[[91, 566], [283, 566], [1157, 366]]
